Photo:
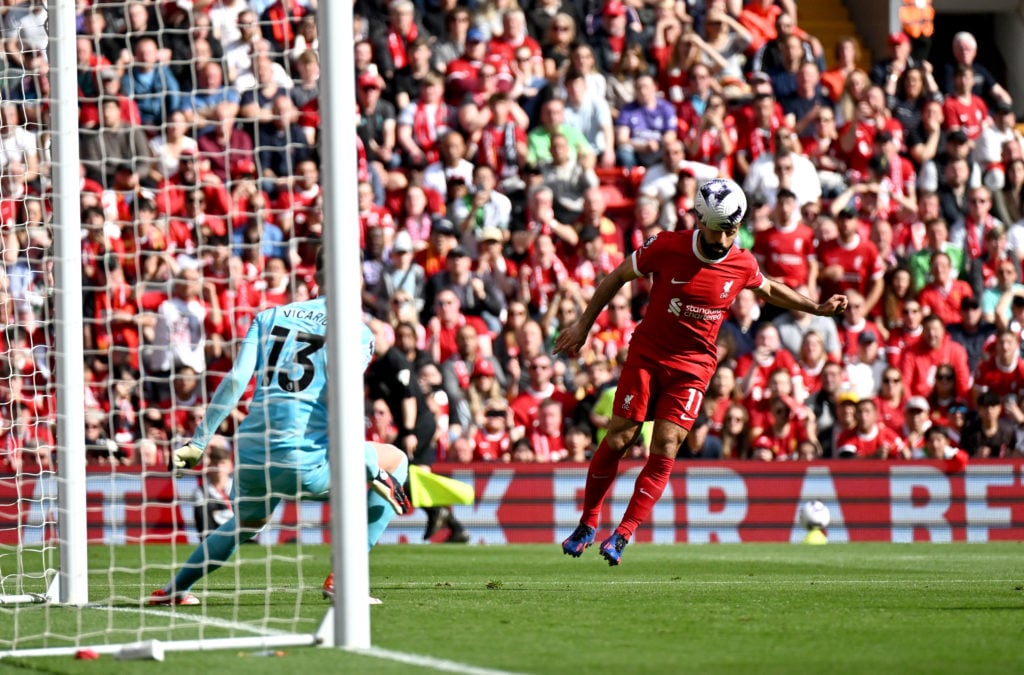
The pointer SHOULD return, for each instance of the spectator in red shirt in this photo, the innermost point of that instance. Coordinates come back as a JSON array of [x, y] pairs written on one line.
[[869, 439], [541, 387], [546, 435], [962, 109], [1002, 373], [767, 357], [942, 297], [851, 262], [921, 362], [854, 324], [785, 252], [890, 400], [491, 439], [903, 338]]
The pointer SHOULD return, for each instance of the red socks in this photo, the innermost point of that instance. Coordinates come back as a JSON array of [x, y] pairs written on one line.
[[603, 469], [650, 484]]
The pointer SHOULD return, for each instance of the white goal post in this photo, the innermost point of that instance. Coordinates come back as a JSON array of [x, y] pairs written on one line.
[[51, 601]]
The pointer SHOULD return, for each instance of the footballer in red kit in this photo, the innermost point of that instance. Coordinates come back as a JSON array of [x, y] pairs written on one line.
[[695, 275]]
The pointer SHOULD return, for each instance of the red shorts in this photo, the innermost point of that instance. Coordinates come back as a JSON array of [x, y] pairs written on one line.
[[651, 391]]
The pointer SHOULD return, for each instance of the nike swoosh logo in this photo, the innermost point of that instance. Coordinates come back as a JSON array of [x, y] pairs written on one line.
[[645, 493], [676, 281], [687, 418]]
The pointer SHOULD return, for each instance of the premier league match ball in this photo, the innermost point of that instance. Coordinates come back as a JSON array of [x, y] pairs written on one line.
[[721, 204], [814, 515]]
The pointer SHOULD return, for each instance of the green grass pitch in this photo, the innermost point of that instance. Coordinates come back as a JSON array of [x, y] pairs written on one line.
[[854, 608]]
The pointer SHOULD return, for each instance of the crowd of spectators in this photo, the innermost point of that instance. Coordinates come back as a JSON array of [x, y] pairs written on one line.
[[511, 154]]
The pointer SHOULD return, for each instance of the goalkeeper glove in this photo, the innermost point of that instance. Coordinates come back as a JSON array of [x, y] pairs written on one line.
[[387, 487], [185, 457]]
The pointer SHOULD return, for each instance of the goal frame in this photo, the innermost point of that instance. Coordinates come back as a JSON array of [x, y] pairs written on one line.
[[70, 585]]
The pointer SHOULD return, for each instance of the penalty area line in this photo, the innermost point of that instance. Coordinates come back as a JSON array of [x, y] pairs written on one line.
[[429, 662]]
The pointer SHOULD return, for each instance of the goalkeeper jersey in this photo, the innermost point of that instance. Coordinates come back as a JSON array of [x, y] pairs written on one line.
[[287, 421]]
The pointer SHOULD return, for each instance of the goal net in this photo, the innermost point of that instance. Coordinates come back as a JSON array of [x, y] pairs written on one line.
[[133, 268]]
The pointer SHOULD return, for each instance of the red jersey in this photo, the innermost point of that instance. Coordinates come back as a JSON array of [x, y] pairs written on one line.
[[489, 447], [860, 262], [967, 116], [945, 302], [1001, 380], [880, 443], [690, 297], [762, 371], [901, 340], [892, 415], [920, 363], [848, 336], [526, 406], [784, 253]]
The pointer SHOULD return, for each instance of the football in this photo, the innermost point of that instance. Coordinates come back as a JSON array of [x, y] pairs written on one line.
[[721, 204], [814, 514]]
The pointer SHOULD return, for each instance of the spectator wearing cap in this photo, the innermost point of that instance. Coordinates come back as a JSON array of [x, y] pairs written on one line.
[[990, 434], [552, 121], [899, 60], [612, 33], [965, 51], [972, 331], [476, 299], [851, 262], [462, 75], [869, 439], [644, 126], [865, 368], [403, 274], [944, 293], [591, 115], [470, 359], [377, 122], [935, 351]]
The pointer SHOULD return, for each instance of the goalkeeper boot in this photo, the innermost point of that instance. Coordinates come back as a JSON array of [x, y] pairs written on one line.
[[611, 548], [391, 490], [162, 597], [581, 539], [328, 590]]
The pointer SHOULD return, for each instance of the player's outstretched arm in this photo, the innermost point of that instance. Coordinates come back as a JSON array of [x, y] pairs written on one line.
[[572, 337], [230, 389], [777, 293]]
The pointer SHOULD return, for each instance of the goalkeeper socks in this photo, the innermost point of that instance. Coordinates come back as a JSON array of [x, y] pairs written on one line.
[[213, 552], [650, 484], [378, 511], [603, 469]]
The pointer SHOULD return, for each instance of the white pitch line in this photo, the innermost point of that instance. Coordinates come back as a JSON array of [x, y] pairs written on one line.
[[702, 582], [198, 620], [429, 662]]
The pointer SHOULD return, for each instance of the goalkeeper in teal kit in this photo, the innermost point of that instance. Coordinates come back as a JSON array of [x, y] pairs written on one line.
[[282, 444]]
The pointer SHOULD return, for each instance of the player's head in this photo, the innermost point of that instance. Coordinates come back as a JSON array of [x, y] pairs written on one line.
[[721, 205]]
